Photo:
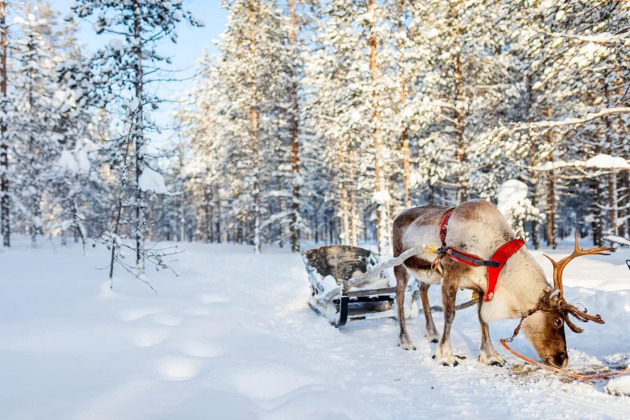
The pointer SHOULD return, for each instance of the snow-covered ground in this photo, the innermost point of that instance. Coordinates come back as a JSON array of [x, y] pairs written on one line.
[[233, 338]]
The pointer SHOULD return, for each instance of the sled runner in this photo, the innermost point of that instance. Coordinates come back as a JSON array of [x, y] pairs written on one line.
[[334, 296]]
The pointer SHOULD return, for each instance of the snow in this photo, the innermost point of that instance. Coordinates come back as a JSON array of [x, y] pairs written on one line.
[[152, 181], [116, 44], [510, 194], [381, 197], [73, 163], [600, 161], [619, 386], [515, 206], [617, 239], [232, 337], [603, 161], [83, 159], [67, 162]]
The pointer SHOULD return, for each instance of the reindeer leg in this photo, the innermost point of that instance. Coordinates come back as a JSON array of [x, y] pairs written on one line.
[[487, 353], [430, 330], [402, 277], [444, 352]]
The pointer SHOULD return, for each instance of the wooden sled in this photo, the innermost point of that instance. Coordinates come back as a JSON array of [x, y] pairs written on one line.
[[330, 268]]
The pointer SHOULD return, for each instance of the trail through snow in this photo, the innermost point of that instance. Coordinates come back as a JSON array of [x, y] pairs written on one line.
[[233, 338]]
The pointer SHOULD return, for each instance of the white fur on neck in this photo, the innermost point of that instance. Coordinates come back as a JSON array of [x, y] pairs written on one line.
[[519, 288]]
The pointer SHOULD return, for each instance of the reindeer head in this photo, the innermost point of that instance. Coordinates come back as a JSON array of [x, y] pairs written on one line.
[[544, 325]]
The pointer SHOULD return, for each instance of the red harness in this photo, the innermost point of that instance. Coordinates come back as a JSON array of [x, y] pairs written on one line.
[[495, 263]]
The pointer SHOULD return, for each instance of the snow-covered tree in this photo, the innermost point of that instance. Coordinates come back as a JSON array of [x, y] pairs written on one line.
[[125, 68], [33, 112]]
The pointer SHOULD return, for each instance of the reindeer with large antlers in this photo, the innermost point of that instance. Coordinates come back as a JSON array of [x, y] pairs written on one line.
[[477, 250]]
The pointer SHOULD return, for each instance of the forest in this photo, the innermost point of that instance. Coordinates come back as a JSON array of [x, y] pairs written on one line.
[[317, 121]]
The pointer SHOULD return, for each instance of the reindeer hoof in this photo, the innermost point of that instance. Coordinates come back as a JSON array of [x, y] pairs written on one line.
[[445, 360], [406, 343], [432, 336], [407, 346], [490, 357]]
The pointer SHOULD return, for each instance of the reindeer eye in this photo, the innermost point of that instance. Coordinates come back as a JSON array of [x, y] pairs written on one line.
[[559, 322]]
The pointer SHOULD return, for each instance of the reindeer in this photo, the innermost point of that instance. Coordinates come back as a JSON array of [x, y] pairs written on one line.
[[510, 284]]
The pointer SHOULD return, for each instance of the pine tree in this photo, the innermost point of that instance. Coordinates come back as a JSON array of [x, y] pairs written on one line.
[[32, 112], [128, 64]]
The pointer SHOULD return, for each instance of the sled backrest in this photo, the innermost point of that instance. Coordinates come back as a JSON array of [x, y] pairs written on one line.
[[340, 261]]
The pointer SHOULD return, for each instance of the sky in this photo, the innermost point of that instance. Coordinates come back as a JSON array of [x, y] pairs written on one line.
[[192, 41], [190, 46]]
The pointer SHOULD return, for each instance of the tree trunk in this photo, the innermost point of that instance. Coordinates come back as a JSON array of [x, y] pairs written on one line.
[[598, 217], [403, 98], [295, 130], [217, 215], [138, 139], [380, 192], [533, 160], [254, 131], [612, 202], [613, 197], [34, 204], [535, 224], [353, 217], [208, 223], [551, 211], [551, 191], [343, 198], [623, 211], [5, 226], [460, 152]]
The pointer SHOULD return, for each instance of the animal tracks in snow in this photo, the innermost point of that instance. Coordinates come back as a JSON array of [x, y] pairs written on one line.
[[149, 336], [167, 320], [269, 382], [138, 313], [180, 340], [178, 368], [200, 348]]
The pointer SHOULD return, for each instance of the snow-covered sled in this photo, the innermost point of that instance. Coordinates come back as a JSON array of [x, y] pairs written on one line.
[[330, 270]]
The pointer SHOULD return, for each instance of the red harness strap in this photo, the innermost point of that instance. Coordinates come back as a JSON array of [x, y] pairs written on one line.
[[494, 265], [501, 256], [444, 226]]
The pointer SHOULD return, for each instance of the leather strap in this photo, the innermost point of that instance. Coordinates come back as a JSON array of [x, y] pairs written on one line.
[[494, 265]]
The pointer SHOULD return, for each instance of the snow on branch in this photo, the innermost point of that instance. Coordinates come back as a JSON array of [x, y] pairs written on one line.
[[601, 161], [152, 181], [571, 121], [605, 38]]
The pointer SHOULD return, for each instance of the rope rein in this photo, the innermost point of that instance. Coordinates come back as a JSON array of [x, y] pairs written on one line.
[[566, 372], [562, 371]]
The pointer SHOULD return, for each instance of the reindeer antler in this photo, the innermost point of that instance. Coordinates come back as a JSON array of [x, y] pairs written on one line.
[[558, 267], [579, 315], [566, 308]]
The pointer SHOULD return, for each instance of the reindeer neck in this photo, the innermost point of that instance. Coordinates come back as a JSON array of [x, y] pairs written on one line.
[[518, 290]]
